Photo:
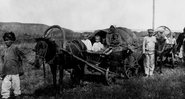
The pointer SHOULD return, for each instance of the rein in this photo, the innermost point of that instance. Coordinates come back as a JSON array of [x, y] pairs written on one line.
[[42, 56]]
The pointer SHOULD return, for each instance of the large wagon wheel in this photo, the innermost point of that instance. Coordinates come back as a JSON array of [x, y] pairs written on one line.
[[130, 71]]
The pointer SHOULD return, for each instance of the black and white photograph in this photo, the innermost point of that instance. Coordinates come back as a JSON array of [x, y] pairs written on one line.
[[92, 49]]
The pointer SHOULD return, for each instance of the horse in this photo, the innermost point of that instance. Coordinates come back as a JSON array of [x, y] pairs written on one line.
[[163, 50], [47, 50], [159, 52], [181, 42]]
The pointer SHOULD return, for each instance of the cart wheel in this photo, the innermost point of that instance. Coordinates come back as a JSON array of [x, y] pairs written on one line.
[[130, 71], [109, 77]]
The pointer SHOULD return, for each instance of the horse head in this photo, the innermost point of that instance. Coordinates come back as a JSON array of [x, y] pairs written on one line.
[[45, 50]]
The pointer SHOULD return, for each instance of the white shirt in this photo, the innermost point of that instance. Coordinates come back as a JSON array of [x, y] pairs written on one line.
[[171, 41], [97, 46], [149, 44], [88, 44], [167, 40]]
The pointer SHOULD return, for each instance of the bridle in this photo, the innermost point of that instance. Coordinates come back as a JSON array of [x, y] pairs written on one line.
[[42, 56]]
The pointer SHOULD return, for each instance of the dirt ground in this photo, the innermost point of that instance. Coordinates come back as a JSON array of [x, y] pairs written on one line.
[[168, 85]]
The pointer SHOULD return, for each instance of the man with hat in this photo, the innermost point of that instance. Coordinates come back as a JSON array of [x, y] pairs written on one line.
[[113, 40], [148, 50]]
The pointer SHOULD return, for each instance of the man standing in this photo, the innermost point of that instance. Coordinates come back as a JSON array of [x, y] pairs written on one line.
[[148, 49]]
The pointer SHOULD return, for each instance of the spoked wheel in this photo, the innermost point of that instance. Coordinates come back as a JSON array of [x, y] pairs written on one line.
[[130, 71], [110, 77]]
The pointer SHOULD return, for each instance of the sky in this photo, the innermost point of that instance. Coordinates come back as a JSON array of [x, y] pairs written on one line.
[[80, 15]]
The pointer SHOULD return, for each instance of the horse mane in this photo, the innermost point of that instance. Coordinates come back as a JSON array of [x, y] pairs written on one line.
[[52, 47], [48, 41]]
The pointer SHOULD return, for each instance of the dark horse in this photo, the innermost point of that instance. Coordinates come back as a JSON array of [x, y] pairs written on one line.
[[159, 52], [47, 50], [163, 50], [60, 58], [180, 42]]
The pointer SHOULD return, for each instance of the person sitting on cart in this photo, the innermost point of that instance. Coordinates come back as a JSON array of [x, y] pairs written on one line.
[[97, 46], [113, 40], [87, 42]]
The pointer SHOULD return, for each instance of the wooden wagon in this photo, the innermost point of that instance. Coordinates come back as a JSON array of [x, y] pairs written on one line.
[[99, 62]]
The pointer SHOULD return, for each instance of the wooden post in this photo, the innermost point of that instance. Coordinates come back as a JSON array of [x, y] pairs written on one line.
[[153, 17]]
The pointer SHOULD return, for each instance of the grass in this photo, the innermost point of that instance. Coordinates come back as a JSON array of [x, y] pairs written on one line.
[[169, 85]]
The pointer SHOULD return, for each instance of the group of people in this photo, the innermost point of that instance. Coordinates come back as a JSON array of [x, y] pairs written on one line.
[[149, 43], [12, 57], [112, 40], [96, 46]]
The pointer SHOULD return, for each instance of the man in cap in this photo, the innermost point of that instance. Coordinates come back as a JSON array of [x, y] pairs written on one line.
[[148, 49]]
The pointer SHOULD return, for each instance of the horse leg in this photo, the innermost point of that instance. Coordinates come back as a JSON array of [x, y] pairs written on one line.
[[160, 64], [61, 75], [77, 75], [156, 62], [74, 77], [54, 73], [81, 72]]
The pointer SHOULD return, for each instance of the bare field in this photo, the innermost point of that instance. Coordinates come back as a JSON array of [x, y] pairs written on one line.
[[169, 85]]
